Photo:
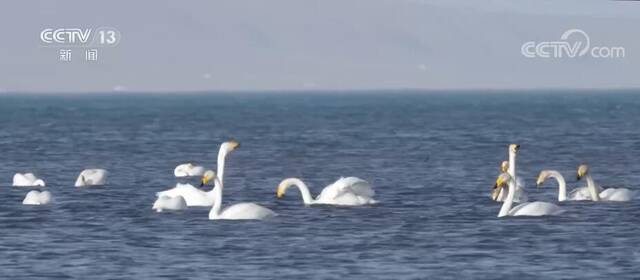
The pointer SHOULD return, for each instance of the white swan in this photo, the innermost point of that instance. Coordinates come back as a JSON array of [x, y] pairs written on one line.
[[239, 211], [536, 208], [510, 167], [37, 198], [195, 196], [608, 194], [169, 203], [27, 180], [92, 177], [188, 170], [350, 191], [579, 193]]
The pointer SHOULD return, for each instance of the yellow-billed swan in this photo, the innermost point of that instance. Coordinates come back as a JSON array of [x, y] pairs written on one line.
[[579, 193], [510, 167], [195, 196], [37, 198], [188, 170], [27, 180], [536, 208], [350, 191], [608, 194], [239, 211], [91, 177], [169, 203]]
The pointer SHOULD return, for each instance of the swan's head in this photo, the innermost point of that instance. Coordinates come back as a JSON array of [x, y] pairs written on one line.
[[544, 174], [513, 148], [282, 188], [504, 166], [230, 145], [501, 183], [583, 170], [208, 176]]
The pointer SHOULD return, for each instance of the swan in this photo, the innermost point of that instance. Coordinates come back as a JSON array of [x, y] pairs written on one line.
[[350, 191], [37, 198], [27, 180], [169, 203], [608, 194], [188, 170], [536, 208], [579, 193], [239, 211], [195, 196], [92, 177], [510, 167]]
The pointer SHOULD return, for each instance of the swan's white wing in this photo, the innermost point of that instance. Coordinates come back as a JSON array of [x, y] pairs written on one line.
[[536, 208], [616, 194], [169, 203], [245, 211], [353, 185], [192, 195]]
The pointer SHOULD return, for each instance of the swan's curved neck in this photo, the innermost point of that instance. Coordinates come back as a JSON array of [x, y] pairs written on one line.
[[506, 205], [222, 154], [217, 202], [562, 185], [591, 185], [304, 190]]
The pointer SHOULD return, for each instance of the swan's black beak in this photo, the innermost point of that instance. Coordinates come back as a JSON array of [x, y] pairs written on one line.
[[578, 178]]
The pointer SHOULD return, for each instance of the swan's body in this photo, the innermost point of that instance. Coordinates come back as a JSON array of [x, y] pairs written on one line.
[[520, 195], [350, 191], [581, 193], [192, 196], [37, 198], [536, 208], [92, 177], [169, 203], [27, 180], [598, 194], [188, 170], [240, 211]]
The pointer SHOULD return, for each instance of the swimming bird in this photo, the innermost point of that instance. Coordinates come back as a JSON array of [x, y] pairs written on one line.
[[35, 197], [579, 193], [188, 170], [350, 191], [239, 211], [169, 203], [536, 208], [510, 167], [195, 196], [92, 177], [27, 180], [608, 194]]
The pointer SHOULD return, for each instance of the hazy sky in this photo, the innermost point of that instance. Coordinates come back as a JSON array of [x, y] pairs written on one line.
[[324, 44]]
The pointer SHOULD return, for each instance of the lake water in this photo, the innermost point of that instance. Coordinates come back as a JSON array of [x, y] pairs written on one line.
[[432, 158]]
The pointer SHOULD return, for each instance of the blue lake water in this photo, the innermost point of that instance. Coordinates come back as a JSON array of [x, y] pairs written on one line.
[[432, 158]]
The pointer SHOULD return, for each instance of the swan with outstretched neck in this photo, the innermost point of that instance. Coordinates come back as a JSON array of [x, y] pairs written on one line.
[[350, 191], [608, 194], [510, 167], [239, 211], [197, 197], [536, 208]]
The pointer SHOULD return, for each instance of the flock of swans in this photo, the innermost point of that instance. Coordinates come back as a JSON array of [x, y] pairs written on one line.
[[508, 190], [349, 191]]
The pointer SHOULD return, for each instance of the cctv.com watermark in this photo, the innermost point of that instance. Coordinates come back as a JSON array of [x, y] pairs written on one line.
[[573, 43]]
